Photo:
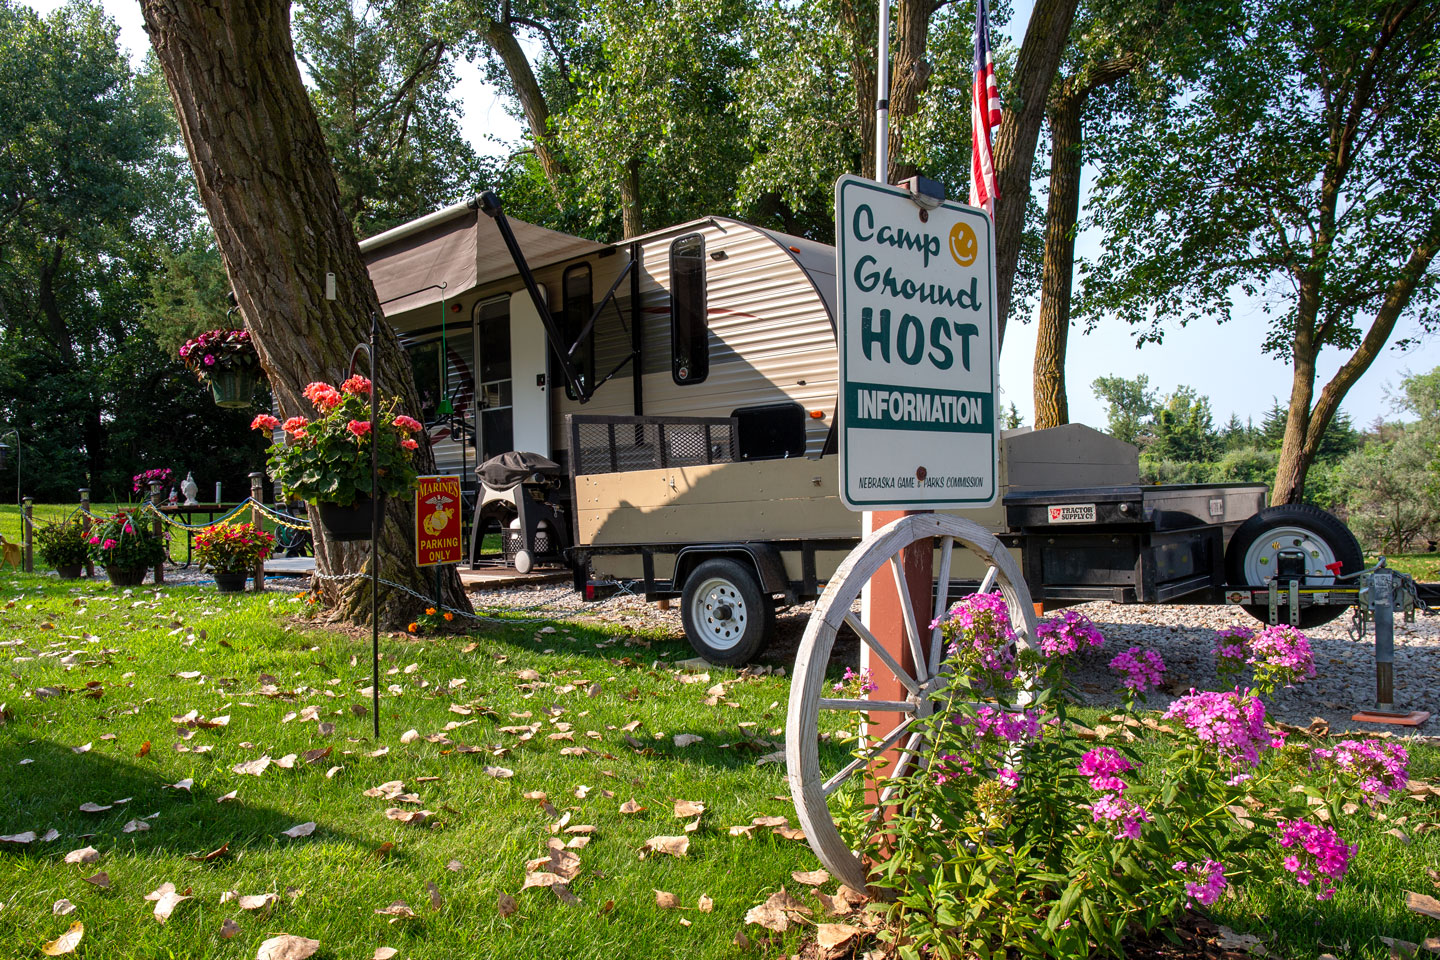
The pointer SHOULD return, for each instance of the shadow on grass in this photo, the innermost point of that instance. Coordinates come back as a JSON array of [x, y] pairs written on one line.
[[47, 793]]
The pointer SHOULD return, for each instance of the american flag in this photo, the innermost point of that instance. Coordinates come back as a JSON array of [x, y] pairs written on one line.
[[984, 117]]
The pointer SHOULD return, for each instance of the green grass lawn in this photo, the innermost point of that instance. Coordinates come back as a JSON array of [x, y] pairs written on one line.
[[153, 658]]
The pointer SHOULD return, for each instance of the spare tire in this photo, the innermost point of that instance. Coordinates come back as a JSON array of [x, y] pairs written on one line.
[[1250, 557]]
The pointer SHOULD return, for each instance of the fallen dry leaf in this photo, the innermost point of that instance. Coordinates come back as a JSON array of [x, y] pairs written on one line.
[[666, 901], [397, 910], [674, 846], [253, 768], [435, 902], [227, 798], [166, 904], [83, 855], [258, 901], [454, 866], [812, 878], [66, 942], [228, 929], [768, 916], [101, 880], [706, 904], [410, 736], [62, 908], [215, 854], [630, 806], [1420, 903], [287, 947], [300, 830], [831, 935], [506, 905], [688, 808], [135, 826], [384, 953], [95, 807], [686, 739], [414, 817], [500, 773], [1230, 940]]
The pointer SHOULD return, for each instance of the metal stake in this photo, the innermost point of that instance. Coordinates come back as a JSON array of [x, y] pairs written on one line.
[[882, 97], [374, 526]]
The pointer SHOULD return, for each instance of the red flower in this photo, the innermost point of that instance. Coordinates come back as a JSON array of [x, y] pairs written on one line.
[[324, 396], [264, 422], [296, 426], [356, 384], [358, 427], [408, 423], [409, 444]]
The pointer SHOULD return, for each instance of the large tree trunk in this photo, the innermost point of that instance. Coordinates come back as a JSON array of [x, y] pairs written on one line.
[[266, 182], [501, 38], [1052, 407], [910, 73], [1024, 112], [632, 222], [857, 17]]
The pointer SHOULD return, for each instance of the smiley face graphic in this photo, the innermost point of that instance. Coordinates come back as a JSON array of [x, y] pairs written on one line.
[[964, 247]]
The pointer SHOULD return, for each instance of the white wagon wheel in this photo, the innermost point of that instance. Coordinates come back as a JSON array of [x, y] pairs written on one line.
[[813, 789]]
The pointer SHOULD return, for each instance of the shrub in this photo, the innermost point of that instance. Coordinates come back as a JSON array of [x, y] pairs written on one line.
[[1019, 835], [232, 547], [126, 541], [61, 544]]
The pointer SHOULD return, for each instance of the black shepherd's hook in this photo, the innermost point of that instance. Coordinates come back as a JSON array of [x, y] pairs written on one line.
[[371, 349]]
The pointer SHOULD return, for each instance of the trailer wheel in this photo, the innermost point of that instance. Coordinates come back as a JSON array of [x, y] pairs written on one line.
[[727, 617], [1251, 556]]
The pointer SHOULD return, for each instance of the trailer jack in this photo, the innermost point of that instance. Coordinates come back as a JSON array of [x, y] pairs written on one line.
[[1381, 591]]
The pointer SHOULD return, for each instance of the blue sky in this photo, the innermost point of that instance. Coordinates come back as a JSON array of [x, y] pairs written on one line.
[[1221, 362]]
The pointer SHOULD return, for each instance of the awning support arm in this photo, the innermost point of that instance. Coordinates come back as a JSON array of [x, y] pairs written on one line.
[[489, 204], [594, 317]]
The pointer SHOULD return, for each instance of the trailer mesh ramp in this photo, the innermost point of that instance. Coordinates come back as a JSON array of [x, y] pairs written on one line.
[[605, 444]]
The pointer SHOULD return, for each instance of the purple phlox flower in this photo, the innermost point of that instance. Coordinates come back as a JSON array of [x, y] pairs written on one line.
[[1379, 768], [1326, 855], [950, 767], [1139, 670], [1204, 882], [864, 680], [1068, 633], [1233, 722], [1283, 647], [980, 623], [1100, 765], [1113, 808], [1012, 726]]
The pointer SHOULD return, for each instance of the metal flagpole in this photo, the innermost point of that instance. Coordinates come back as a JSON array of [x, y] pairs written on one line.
[[882, 97]]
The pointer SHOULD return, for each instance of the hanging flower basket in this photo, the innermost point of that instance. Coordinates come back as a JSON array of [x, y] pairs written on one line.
[[350, 522], [226, 362], [126, 576], [233, 388], [327, 460]]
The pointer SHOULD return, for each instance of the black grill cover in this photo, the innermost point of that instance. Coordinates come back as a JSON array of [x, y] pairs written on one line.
[[513, 468]]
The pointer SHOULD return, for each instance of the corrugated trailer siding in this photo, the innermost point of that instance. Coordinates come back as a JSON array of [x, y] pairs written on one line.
[[769, 331]]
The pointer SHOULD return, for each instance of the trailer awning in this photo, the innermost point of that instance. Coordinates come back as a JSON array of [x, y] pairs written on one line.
[[458, 247]]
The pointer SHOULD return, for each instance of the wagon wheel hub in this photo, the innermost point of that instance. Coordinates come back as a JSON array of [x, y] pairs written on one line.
[[723, 612]]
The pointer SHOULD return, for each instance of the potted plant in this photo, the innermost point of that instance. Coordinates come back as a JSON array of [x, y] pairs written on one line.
[[62, 546], [226, 362], [126, 548], [232, 550], [326, 460]]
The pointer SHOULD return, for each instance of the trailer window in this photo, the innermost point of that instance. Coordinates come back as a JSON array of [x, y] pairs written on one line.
[[578, 303], [689, 328], [770, 431]]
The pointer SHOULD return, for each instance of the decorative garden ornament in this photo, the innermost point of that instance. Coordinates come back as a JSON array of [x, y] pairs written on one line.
[[189, 487]]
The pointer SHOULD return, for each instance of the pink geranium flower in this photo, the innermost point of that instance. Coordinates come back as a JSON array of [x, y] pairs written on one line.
[[356, 385], [409, 444], [408, 423], [358, 427], [264, 421]]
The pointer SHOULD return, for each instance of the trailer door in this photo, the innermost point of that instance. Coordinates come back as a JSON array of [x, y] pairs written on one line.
[[529, 351]]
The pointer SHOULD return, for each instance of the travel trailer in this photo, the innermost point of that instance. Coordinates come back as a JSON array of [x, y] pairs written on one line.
[[661, 411]]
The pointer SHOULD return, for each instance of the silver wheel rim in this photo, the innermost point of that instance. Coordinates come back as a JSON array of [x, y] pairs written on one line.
[[719, 613], [810, 787], [1260, 557]]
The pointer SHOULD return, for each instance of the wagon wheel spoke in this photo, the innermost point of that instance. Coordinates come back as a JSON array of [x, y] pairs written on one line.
[[912, 747], [865, 759], [988, 583], [907, 614], [868, 706], [942, 601], [878, 648]]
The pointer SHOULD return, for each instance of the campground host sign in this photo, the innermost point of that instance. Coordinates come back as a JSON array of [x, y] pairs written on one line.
[[917, 342]]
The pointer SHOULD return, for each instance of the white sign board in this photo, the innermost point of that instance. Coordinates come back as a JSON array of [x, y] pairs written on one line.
[[918, 351]]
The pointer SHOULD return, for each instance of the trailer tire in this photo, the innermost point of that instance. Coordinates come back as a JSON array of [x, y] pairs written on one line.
[[1323, 532], [727, 616]]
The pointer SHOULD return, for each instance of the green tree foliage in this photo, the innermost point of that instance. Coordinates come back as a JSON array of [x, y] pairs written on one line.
[[1130, 407], [382, 80], [1300, 168], [91, 192], [1184, 428], [1391, 485]]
